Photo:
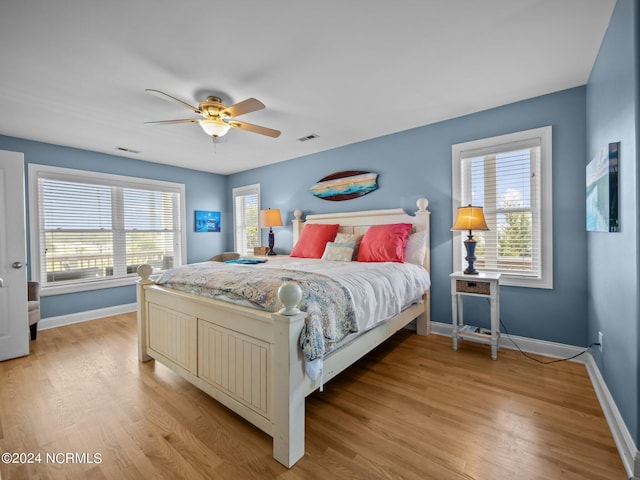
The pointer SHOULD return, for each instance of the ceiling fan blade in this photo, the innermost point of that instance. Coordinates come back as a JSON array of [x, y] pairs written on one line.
[[269, 132], [167, 122], [246, 106], [169, 98]]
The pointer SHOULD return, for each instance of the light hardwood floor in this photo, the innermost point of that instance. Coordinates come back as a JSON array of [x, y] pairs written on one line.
[[412, 409]]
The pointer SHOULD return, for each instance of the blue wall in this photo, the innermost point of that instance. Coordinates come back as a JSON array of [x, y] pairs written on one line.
[[204, 191], [417, 163], [613, 108]]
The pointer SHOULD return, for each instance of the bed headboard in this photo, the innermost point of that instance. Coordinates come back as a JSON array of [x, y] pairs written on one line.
[[358, 222]]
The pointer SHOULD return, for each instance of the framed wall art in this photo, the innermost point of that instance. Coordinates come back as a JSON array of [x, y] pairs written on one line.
[[207, 221], [602, 190]]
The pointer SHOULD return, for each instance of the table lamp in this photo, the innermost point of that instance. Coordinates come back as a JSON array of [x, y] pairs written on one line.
[[270, 218], [470, 218]]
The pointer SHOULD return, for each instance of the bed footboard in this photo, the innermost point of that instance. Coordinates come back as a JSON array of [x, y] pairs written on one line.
[[247, 360]]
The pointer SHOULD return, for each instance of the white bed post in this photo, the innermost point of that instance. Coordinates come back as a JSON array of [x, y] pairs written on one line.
[[288, 391], [144, 271], [423, 322], [298, 225]]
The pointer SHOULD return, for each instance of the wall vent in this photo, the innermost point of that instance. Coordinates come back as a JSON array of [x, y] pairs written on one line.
[[128, 150], [306, 138]]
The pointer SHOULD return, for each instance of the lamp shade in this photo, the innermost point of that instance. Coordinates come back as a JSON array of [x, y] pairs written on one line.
[[270, 218], [216, 128], [470, 218]]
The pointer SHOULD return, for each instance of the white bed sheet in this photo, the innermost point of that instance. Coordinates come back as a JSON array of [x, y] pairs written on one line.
[[379, 290]]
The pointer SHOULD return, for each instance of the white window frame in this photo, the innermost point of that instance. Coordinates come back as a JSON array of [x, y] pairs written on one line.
[[495, 145], [237, 228], [83, 176]]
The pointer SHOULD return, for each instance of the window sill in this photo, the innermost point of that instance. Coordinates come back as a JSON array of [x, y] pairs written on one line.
[[527, 282], [88, 285]]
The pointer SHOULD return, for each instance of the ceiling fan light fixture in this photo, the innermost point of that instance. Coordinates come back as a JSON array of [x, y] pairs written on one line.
[[217, 117], [214, 127]]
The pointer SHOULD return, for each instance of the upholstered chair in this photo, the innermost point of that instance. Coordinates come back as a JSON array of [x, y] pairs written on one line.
[[33, 296]]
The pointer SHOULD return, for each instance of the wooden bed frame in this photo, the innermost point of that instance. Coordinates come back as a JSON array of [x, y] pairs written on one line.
[[249, 360]]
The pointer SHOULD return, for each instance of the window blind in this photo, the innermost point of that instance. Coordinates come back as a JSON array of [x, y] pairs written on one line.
[[246, 218], [510, 176], [102, 228], [504, 182]]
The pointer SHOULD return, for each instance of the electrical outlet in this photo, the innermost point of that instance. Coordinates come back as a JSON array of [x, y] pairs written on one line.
[[600, 341]]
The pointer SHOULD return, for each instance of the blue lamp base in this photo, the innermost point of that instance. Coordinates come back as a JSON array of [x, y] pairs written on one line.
[[470, 246], [272, 239]]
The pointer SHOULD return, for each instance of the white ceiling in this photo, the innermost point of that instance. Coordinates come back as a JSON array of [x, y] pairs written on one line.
[[74, 73]]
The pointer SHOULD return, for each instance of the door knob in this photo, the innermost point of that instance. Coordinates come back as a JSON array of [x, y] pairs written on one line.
[[16, 265], [1, 283]]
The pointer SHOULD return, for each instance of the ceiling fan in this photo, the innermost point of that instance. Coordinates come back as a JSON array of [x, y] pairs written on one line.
[[217, 118]]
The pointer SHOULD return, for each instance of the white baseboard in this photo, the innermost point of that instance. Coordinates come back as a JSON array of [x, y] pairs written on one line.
[[622, 437], [62, 320], [529, 345], [626, 447]]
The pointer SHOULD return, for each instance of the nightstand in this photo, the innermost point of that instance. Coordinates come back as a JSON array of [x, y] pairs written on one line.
[[482, 285]]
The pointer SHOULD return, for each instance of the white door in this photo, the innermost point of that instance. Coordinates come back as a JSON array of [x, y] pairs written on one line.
[[14, 328]]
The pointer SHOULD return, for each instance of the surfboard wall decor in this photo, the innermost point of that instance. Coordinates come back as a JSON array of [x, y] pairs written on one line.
[[345, 185]]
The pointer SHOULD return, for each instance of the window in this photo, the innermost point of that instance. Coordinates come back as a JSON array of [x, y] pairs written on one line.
[[92, 230], [510, 177], [246, 215]]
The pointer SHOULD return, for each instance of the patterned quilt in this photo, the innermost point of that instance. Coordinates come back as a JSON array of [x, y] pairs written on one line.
[[329, 306]]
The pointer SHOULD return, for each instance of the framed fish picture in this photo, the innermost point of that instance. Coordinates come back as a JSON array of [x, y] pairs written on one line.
[[345, 185]]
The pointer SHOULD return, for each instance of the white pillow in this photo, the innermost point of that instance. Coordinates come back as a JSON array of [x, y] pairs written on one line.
[[416, 248], [338, 251]]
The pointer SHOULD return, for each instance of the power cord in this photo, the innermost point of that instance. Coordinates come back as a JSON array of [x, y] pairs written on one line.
[[594, 344]]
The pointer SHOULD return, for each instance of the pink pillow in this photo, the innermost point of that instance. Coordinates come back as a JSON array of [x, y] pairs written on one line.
[[384, 243], [313, 240]]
